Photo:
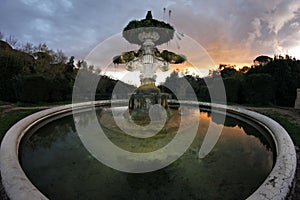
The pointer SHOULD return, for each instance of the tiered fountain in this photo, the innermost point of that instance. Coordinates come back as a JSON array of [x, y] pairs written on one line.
[[148, 34]]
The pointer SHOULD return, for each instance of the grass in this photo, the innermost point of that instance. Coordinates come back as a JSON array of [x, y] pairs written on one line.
[[10, 118], [291, 128]]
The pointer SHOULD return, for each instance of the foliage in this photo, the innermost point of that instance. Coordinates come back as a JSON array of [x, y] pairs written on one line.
[[258, 89], [285, 74], [104, 85], [12, 40], [174, 84], [172, 58], [34, 77], [228, 72], [36, 88], [126, 57], [262, 60], [11, 65], [233, 89], [273, 82], [7, 92], [165, 55], [55, 56], [203, 94], [148, 25], [37, 73]]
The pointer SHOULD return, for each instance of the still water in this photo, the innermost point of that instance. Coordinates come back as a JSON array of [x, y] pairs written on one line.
[[55, 160]]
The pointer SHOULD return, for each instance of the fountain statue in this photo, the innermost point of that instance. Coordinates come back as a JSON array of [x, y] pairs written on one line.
[[148, 33]]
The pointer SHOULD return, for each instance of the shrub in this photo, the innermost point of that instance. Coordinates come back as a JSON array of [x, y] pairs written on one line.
[[259, 89]]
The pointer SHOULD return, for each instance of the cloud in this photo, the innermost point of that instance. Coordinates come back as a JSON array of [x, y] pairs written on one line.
[[282, 13], [294, 25], [232, 31], [276, 20], [49, 7]]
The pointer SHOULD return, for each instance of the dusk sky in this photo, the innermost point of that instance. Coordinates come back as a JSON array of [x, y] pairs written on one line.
[[232, 31]]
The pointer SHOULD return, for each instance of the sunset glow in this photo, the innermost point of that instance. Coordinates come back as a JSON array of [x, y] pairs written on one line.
[[295, 52], [232, 32]]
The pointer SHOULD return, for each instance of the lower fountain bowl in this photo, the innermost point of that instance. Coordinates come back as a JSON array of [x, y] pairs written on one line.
[[18, 186]]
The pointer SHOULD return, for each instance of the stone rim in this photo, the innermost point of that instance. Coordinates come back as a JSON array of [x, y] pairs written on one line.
[[276, 186]]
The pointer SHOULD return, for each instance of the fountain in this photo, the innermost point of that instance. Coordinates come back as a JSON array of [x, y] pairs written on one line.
[[148, 33], [98, 150]]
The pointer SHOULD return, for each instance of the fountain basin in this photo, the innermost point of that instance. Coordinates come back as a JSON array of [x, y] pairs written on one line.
[[18, 186]]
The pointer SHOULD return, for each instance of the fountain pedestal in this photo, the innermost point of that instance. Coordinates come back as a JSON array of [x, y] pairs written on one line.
[[144, 98]]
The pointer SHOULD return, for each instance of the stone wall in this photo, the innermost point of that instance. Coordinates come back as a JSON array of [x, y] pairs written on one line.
[[297, 102]]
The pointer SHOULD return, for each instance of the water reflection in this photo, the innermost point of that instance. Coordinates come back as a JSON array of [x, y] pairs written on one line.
[[55, 160], [248, 127]]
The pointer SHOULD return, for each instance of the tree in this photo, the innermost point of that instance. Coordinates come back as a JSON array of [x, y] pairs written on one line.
[[42, 47], [82, 64], [70, 64], [233, 89], [12, 40], [59, 57], [34, 73], [259, 89], [172, 82], [28, 48], [262, 60], [43, 56], [244, 69], [228, 72], [284, 82], [214, 73], [13, 63], [69, 71], [285, 76]]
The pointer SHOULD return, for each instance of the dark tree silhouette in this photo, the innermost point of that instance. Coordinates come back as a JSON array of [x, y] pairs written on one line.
[[262, 60]]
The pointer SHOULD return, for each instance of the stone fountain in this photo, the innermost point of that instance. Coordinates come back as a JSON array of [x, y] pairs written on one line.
[[148, 33]]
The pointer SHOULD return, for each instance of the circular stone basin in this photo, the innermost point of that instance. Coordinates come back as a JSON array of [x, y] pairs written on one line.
[[250, 160]]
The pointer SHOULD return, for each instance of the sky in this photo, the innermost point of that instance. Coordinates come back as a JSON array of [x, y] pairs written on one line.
[[231, 31]]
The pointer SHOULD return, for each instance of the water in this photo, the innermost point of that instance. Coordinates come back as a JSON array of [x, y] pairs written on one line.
[[57, 163]]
